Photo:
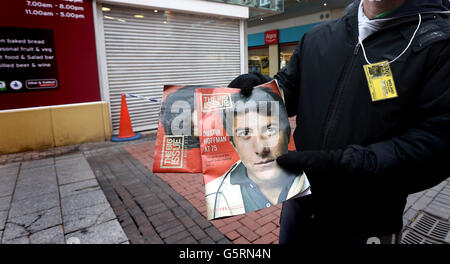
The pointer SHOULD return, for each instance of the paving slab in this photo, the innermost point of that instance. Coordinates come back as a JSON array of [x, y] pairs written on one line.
[[409, 215], [83, 200], [71, 160], [7, 187], [52, 235], [431, 193], [438, 211], [106, 233], [34, 204], [30, 224], [3, 215], [421, 203], [41, 175], [70, 171], [410, 201], [440, 186], [10, 166], [5, 202], [29, 191], [13, 231], [30, 203], [68, 157], [79, 188], [87, 217], [37, 163], [20, 240], [8, 176]]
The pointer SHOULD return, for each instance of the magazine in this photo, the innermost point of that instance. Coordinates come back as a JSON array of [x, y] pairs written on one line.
[[240, 139], [177, 146]]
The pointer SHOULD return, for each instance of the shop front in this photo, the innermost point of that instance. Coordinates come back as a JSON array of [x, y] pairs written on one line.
[[271, 50], [49, 93], [148, 47], [65, 64]]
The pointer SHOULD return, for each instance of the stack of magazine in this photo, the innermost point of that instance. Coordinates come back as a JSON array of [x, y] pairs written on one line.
[[233, 140]]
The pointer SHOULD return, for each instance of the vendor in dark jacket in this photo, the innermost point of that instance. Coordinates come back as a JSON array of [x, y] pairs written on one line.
[[371, 92]]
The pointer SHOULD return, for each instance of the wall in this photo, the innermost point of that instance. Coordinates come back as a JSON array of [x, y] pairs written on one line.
[[337, 13], [68, 30], [273, 59], [53, 126], [291, 22], [286, 35], [291, 29], [187, 6]]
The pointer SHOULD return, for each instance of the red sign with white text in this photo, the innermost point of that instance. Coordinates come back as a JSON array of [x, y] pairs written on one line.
[[271, 37], [47, 53]]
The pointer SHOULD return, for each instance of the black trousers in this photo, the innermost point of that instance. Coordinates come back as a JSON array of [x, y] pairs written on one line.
[[299, 224]]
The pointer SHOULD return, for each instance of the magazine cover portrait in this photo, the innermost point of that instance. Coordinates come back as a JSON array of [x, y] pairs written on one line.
[[240, 140]]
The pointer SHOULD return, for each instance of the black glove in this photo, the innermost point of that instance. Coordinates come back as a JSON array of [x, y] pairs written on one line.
[[247, 81], [311, 162]]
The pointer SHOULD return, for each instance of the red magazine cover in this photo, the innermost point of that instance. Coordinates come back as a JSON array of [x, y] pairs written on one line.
[[177, 144], [240, 139]]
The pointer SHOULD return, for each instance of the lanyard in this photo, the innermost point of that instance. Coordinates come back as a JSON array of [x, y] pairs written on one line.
[[407, 47]]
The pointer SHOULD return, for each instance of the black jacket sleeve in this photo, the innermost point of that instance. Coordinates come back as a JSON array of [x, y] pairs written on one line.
[[420, 157], [288, 79]]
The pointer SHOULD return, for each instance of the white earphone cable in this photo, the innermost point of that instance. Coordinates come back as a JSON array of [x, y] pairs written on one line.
[[407, 47]]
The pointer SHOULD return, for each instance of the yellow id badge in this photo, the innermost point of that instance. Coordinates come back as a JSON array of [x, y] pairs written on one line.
[[380, 80]]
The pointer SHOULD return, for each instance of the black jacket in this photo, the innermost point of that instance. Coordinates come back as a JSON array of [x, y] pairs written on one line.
[[392, 147]]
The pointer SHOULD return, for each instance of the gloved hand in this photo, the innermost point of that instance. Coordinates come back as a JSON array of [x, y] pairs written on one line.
[[247, 81], [311, 162]]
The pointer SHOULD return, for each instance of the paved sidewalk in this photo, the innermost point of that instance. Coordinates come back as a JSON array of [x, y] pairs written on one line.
[[149, 210], [106, 193], [427, 216], [55, 201]]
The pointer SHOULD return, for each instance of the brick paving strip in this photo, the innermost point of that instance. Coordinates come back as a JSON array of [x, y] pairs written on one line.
[[259, 227], [262, 227], [148, 209], [55, 201]]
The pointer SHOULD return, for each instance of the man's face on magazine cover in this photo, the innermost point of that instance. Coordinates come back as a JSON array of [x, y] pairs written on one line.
[[259, 141]]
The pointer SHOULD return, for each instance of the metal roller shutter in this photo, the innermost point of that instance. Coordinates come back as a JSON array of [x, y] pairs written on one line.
[[143, 54]]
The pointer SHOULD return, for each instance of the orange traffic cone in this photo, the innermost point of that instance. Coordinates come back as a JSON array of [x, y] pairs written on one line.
[[125, 130]]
